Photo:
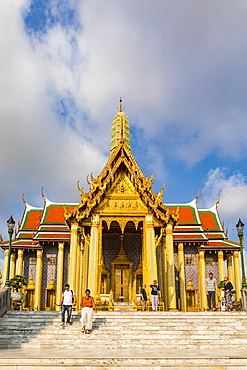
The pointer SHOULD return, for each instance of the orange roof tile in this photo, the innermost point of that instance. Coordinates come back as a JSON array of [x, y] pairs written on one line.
[[54, 213], [32, 219], [187, 214], [209, 220]]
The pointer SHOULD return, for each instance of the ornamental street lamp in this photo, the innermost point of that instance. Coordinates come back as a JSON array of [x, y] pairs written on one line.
[[11, 226], [240, 230]]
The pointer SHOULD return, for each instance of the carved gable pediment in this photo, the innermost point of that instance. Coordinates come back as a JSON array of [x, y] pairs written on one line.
[[122, 186], [122, 197]]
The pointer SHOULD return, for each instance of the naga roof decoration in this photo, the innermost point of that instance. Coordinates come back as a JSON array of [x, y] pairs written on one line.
[[121, 158]]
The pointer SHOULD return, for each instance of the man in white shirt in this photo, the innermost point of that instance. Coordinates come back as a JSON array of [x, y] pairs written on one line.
[[210, 289], [67, 300]]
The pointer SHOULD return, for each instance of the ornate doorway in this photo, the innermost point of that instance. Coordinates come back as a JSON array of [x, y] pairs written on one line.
[[121, 274]]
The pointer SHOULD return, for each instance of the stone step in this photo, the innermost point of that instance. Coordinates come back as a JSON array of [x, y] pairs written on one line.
[[130, 317], [124, 340], [151, 345], [130, 330], [117, 327], [121, 359], [123, 363], [169, 314], [125, 335]]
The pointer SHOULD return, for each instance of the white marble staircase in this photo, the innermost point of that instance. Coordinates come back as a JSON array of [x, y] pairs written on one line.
[[124, 332]]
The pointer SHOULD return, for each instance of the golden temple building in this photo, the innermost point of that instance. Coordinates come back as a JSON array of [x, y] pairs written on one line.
[[120, 236]]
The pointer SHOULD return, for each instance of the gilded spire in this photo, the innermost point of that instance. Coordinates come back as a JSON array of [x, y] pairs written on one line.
[[120, 128], [120, 107]]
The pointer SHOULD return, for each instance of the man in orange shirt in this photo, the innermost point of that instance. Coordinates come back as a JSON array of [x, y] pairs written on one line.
[[88, 305]]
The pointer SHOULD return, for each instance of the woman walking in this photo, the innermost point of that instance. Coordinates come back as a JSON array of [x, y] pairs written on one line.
[[228, 294]]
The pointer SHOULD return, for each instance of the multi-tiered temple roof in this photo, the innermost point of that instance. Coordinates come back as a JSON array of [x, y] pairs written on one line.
[[52, 222]]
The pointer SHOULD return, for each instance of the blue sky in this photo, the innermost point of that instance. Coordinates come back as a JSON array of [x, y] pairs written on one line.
[[180, 67]]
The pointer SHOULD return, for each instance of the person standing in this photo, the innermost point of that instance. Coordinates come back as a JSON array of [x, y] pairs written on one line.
[[228, 294], [210, 289], [155, 295], [144, 297], [68, 298], [88, 305]]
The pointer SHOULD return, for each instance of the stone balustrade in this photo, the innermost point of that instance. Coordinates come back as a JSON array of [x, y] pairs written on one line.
[[4, 300]]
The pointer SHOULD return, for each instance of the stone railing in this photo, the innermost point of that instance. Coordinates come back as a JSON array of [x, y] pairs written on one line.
[[244, 299], [4, 300]]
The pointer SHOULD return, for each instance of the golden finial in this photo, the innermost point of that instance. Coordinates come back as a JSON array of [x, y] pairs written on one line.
[[218, 200], [198, 194], [31, 285], [42, 193], [190, 286], [51, 285], [23, 200], [161, 192], [120, 107]]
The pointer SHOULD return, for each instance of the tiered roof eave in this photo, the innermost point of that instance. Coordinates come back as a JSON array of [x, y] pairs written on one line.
[[100, 185]]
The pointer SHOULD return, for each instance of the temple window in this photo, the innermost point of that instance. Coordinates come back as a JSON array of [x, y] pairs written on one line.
[[32, 261], [51, 260], [189, 261], [209, 261]]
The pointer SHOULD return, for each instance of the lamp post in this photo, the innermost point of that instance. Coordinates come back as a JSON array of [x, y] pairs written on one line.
[[11, 226], [240, 230]]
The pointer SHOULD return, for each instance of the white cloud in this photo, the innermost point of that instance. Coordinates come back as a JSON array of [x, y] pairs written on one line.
[[180, 67], [232, 188]]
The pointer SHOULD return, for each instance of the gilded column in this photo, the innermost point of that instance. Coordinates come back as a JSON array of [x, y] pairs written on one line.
[[73, 257], [19, 265], [60, 267], [100, 257], [85, 264], [182, 282], [151, 250], [201, 279], [112, 278], [5, 264], [144, 257], [237, 274], [164, 270], [80, 272], [38, 280], [229, 268], [170, 268], [94, 255], [12, 265], [221, 265]]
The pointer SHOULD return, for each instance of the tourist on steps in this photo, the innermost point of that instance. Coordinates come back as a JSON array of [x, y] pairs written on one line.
[[67, 300], [210, 289], [88, 305], [155, 295], [144, 297], [228, 294]]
